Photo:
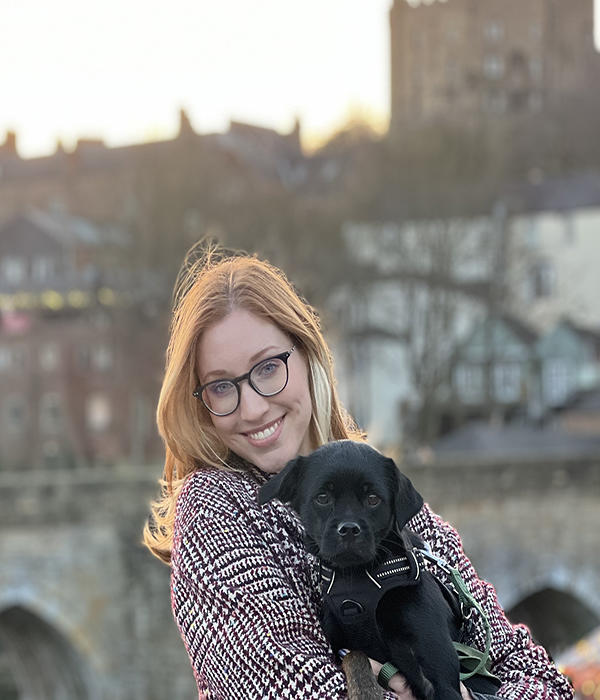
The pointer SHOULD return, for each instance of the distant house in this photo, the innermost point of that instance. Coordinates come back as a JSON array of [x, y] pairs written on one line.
[[553, 251], [496, 365], [52, 250], [569, 362]]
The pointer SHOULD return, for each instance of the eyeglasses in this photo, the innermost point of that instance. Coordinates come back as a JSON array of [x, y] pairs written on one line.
[[268, 378]]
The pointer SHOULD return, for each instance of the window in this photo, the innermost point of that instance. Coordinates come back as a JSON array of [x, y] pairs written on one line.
[[13, 270], [51, 415], [98, 413], [542, 279], [13, 358], [507, 382], [15, 413], [469, 383], [494, 30], [531, 234], [558, 381], [101, 357], [97, 357], [49, 357], [495, 103], [493, 66], [42, 269]]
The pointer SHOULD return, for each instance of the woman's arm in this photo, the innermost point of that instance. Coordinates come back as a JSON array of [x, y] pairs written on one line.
[[524, 668], [242, 601]]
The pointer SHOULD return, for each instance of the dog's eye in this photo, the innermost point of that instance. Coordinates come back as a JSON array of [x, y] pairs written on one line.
[[323, 499], [373, 499]]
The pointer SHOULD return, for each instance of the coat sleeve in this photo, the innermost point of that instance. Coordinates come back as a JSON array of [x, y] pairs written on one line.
[[249, 627], [524, 668]]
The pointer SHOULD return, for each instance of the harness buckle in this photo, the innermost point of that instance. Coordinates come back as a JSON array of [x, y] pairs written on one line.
[[351, 607]]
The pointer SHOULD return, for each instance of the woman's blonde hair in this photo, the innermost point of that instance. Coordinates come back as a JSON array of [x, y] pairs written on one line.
[[207, 290]]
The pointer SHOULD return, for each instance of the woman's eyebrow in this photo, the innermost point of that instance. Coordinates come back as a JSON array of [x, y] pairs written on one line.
[[219, 373]]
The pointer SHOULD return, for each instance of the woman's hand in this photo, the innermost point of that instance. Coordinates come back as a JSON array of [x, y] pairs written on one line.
[[399, 686]]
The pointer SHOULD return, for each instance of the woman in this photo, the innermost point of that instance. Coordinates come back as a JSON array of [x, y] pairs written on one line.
[[248, 386]]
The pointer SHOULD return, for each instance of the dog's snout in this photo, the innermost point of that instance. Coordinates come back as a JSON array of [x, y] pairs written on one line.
[[349, 528]]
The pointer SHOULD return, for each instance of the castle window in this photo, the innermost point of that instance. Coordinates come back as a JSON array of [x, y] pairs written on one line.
[[494, 30], [494, 102], [493, 66]]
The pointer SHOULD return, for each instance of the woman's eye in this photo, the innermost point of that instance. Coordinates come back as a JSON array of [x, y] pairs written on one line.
[[373, 499], [221, 388], [323, 499], [267, 368]]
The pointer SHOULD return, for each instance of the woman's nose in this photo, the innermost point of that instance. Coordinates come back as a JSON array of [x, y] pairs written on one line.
[[252, 404]]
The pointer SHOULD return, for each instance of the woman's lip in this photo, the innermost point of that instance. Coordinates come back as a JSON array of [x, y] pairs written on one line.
[[265, 442]]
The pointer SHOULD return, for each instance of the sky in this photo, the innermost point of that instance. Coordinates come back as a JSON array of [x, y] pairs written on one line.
[[120, 70]]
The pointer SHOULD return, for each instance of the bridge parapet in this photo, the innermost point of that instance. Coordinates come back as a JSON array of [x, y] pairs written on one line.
[[74, 495], [527, 525]]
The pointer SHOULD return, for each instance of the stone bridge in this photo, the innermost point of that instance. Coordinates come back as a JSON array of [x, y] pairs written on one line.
[[84, 610]]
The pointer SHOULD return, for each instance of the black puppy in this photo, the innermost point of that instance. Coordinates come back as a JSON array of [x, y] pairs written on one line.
[[377, 598]]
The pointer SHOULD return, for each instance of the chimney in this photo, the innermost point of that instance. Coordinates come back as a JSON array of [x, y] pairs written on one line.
[[10, 143], [185, 126]]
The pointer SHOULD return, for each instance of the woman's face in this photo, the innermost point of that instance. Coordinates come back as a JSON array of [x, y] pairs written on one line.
[[232, 347]]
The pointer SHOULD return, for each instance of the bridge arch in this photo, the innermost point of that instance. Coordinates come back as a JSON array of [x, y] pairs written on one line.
[[37, 661], [556, 618]]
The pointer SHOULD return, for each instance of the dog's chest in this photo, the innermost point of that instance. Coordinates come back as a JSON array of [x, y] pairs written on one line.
[[352, 597]]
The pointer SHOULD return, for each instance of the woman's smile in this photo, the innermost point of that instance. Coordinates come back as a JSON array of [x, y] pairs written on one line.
[[261, 436]]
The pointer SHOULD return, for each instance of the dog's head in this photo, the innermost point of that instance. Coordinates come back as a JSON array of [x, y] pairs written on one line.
[[348, 496]]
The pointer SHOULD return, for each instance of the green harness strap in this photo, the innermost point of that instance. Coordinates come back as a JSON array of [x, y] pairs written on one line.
[[475, 661]]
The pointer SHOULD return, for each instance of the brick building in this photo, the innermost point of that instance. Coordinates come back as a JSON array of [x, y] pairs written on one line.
[[80, 364]]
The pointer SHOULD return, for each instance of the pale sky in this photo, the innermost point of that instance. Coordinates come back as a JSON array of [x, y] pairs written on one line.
[[121, 69]]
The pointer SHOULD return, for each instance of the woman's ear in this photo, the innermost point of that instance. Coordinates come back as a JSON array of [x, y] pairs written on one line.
[[284, 485], [407, 500]]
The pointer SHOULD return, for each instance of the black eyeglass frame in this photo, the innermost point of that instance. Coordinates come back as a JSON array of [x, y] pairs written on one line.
[[284, 356]]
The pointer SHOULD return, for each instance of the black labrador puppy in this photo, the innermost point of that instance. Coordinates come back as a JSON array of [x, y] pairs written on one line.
[[377, 598]]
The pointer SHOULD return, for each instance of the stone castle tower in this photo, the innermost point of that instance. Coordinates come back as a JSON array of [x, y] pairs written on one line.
[[467, 61]]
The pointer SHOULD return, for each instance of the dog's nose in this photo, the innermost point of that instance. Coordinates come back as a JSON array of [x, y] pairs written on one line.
[[348, 528]]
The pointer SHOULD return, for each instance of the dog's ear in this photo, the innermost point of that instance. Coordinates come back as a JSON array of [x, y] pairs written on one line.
[[407, 500], [284, 485]]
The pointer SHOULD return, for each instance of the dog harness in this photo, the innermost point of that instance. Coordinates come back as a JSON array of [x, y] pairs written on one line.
[[353, 595]]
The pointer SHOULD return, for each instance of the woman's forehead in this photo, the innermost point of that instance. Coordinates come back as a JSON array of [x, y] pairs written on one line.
[[236, 341]]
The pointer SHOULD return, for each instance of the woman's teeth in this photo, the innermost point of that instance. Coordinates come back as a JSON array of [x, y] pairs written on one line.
[[267, 432]]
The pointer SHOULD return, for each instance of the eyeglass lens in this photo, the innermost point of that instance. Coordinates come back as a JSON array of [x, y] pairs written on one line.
[[267, 378]]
